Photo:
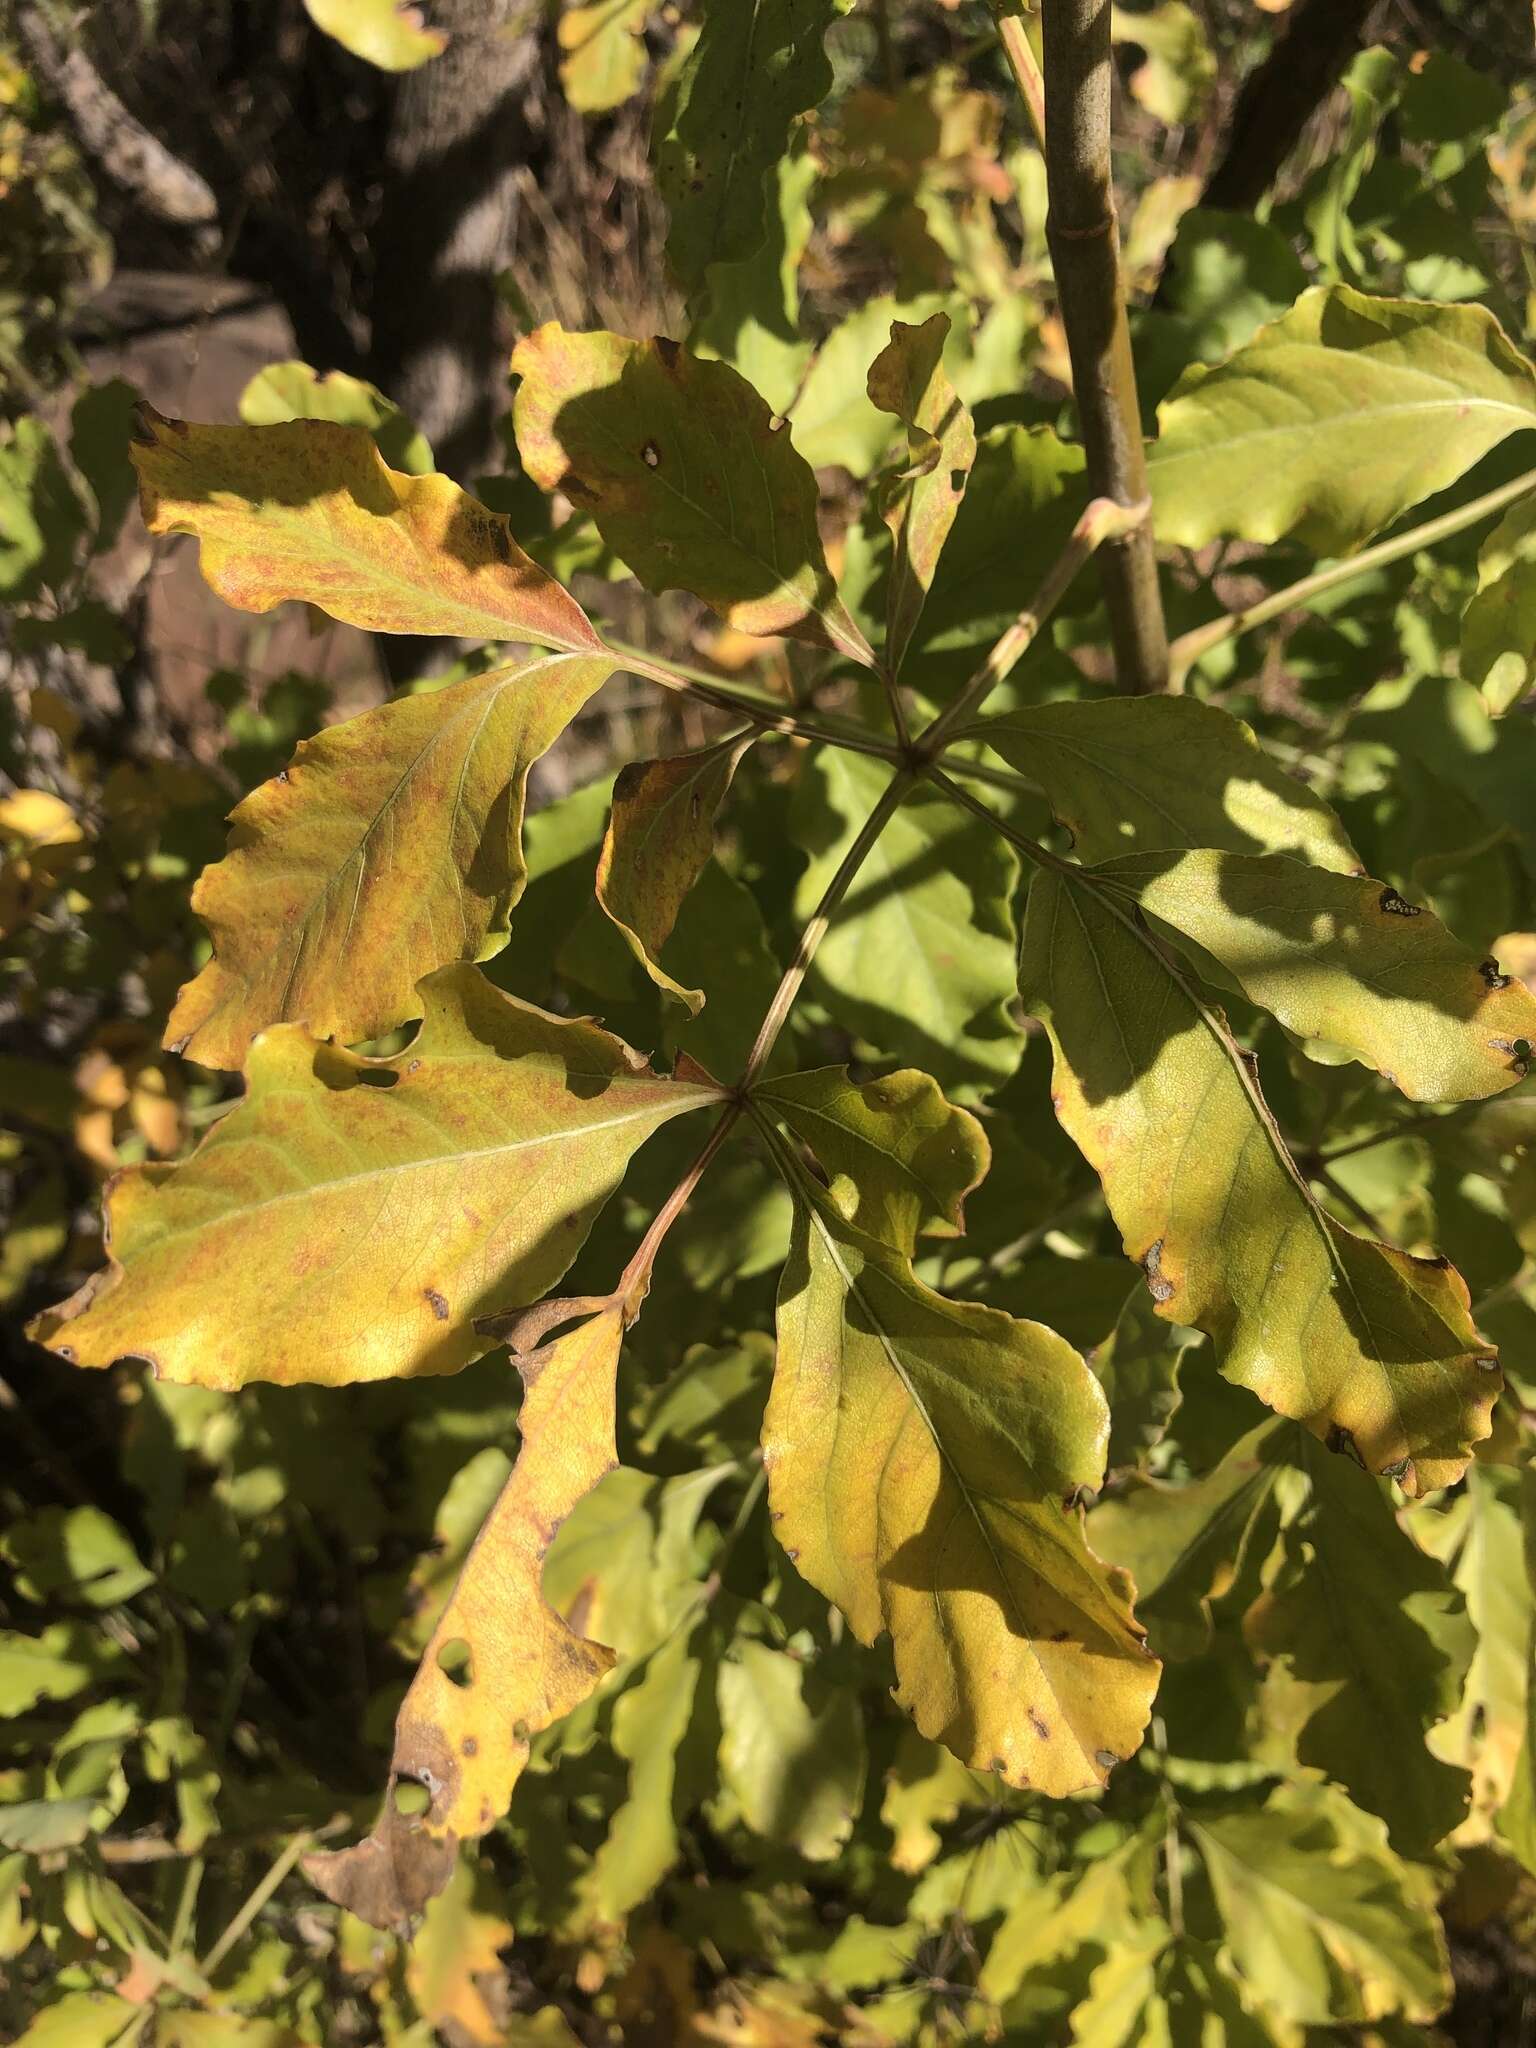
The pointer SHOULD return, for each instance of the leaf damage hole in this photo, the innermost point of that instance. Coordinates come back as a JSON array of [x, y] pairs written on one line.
[[456, 1661], [411, 1798], [1489, 970], [1397, 906], [650, 455]]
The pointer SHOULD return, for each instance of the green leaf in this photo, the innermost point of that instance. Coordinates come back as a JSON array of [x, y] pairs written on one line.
[[1321, 1920], [791, 1751], [293, 391], [62, 1661], [1134, 774], [1066, 1923], [352, 1216], [1152, 1992], [920, 955], [922, 1457], [925, 1788], [661, 834], [385, 33], [310, 510], [1179, 70], [900, 1159], [1342, 959], [689, 477], [78, 1552], [390, 846], [1369, 1643], [908, 380], [1334, 421], [752, 70], [1374, 1350], [1137, 1365], [603, 53], [1498, 633], [81, 2019]]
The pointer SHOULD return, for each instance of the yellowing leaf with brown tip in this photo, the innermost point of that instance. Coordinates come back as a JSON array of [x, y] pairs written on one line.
[[308, 509], [661, 832], [390, 846], [688, 475], [502, 1664], [350, 1218], [923, 1459], [1374, 1350]]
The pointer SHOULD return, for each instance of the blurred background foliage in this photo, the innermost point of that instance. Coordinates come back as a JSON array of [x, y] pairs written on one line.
[[210, 1604]]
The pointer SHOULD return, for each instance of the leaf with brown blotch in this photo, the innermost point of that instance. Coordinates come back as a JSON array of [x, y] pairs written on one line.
[[352, 1217], [924, 1458], [502, 1664], [690, 477], [908, 379], [661, 832], [390, 846], [308, 509], [1374, 1350], [1343, 959]]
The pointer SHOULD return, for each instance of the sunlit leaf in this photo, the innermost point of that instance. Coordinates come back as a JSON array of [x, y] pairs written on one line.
[[351, 1216], [456, 1946], [603, 56], [293, 391], [751, 72], [1369, 1642], [661, 833], [307, 509], [1320, 1918], [1334, 420], [391, 845], [1127, 774], [901, 1160], [908, 379], [923, 1456], [501, 1664], [1340, 958], [1374, 1350], [689, 477], [385, 33]]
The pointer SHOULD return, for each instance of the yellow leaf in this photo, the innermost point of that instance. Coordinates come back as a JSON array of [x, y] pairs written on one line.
[[384, 33], [390, 845], [502, 1664], [352, 1216], [455, 1950], [310, 510]]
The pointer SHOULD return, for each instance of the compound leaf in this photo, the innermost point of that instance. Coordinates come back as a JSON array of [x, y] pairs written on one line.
[[661, 833], [689, 477], [1133, 774], [502, 1664], [900, 1158], [1372, 1349], [309, 509], [908, 379], [923, 1459], [1319, 1917], [1336, 419], [390, 846], [352, 1216], [752, 70], [1340, 958], [1370, 1643]]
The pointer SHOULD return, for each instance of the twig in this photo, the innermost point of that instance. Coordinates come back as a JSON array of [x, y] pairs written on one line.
[[298, 1846], [1189, 647], [690, 682], [1100, 521], [778, 1010], [1024, 65], [635, 1281], [1085, 253]]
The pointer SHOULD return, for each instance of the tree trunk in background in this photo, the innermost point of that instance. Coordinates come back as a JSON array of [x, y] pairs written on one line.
[[457, 136], [1281, 96]]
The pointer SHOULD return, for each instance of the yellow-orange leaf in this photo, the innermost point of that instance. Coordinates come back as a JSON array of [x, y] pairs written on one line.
[[308, 509], [390, 846], [352, 1216]]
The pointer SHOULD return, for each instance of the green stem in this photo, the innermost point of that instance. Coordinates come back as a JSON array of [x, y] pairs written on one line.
[[1189, 647], [1100, 521], [784, 997], [1024, 65], [1085, 254], [241, 1923], [635, 1282], [763, 714]]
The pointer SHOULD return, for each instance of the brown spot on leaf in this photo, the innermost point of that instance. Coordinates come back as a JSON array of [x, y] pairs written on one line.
[[437, 1304], [469, 1746], [1105, 1759], [1489, 970], [1397, 906], [1040, 1725], [1342, 1440], [1159, 1286], [650, 455]]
